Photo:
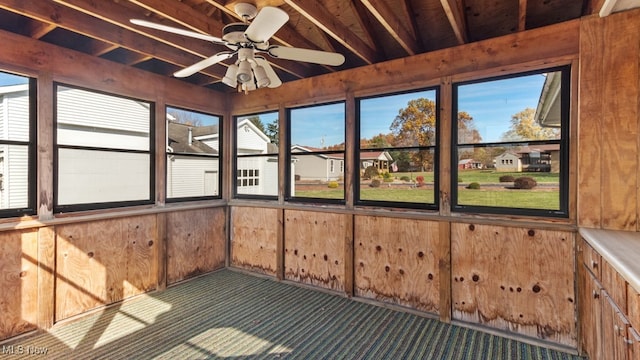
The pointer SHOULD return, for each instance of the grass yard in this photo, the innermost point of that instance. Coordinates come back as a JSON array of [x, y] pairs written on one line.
[[485, 176]]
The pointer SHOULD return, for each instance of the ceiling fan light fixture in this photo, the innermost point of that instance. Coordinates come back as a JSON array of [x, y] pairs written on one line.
[[230, 78], [244, 74], [262, 80]]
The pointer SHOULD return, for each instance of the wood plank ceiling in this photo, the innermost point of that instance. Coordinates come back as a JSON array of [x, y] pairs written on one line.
[[364, 31]]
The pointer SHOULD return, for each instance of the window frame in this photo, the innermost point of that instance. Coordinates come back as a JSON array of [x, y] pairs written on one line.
[[435, 148], [219, 157], [289, 157], [31, 144], [57, 208], [565, 110], [236, 157]]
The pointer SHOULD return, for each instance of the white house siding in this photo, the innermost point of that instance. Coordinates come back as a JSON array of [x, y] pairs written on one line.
[[508, 162], [311, 167], [102, 176], [14, 160], [250, 139], [101, 111], [187, 176], [212, 142]]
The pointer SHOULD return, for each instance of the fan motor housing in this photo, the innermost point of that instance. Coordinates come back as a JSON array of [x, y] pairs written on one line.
[[234, 33]]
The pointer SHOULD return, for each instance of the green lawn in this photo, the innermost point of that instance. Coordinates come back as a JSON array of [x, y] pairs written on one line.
[[485, 176], [528, 199]]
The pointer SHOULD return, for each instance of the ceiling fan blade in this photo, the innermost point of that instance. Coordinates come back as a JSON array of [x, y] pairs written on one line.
[[178, 31], [307, 55], [203, 64], [271, 74], [266, 24]]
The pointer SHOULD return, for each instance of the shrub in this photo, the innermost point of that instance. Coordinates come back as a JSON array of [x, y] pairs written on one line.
[[375, 183], [507, 178], [387, 179], [405, 178], [387, 175], [420, 180], [524, 182], [370, 172], [332, 184], [473, 186]]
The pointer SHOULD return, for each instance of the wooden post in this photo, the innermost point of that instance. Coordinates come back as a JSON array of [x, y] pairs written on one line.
[[44, 157], [444, 266], [445, 125], [161, 249], [46, 276]]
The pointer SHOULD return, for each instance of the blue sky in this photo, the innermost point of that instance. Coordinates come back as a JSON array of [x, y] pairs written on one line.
[[491, 104], [8, 79]]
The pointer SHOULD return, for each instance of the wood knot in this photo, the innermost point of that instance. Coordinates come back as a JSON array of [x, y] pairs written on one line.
[[90, 254], [472, 227], [325, 257], [475, 278], [387, 268], [23, 274], [150, 243], [378, 248], [430, 276], [401, 272], [531, 232], [536, 288], [420, 254]]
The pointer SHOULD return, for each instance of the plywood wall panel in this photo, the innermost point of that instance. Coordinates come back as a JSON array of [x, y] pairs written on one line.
[[620, 122], [314, 248], [195, 243], [103, 262], [515, 279], [396, 261], [254, 237], [19, 282]]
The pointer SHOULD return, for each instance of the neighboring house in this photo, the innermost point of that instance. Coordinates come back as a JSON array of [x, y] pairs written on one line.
[[380, 159], [468, 164], [191, 175], [530, 158], [323, 167], [508, 162], [256, 174], [127, 127]]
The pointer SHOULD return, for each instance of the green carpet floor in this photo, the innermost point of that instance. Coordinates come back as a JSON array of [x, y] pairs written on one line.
[[231, 315]]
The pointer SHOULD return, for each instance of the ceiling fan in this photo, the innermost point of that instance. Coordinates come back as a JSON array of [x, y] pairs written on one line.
[[249, 40]]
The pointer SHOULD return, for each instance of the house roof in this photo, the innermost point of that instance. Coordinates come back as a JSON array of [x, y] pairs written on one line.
[[375, 155], [178, 140]]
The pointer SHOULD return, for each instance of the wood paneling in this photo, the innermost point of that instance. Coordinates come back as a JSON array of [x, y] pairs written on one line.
[[396, 261], [195, 243], [615, 285], [19, 282], [608, 136], [515, 279], [314, 248], [589, 312], [103, 262], [633, 307], [254, 237]]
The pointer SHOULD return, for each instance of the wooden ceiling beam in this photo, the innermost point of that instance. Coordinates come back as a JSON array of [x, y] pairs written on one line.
[[39, 29], [455, 14], [317, 14], [84, 24], [522, 15], [99, 48], [119, 15], [394, 26]]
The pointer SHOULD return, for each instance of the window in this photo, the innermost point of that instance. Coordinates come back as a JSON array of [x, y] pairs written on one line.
[[103, 150], [193, 155], [17, 145], [397, 154], [257, 155], [515, 130], [316, 141]]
